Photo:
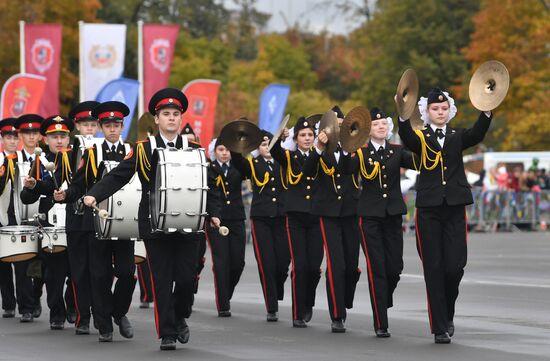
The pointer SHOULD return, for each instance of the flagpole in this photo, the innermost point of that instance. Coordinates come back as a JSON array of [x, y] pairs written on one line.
[[80, 61], [141, 101], [22, 46]]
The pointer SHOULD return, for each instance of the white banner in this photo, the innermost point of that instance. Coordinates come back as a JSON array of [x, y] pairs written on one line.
[[102, 48]]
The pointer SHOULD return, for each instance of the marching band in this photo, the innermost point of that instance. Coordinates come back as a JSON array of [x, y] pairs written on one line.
[[78, 218]]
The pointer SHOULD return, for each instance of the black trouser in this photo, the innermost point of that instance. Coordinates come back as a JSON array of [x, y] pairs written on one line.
[[144, 278], [201, 259], [227, 260], [442, 245], [272, 256], [172, 259], [341, 241], [306, 253], [55, 272], [69, 293], [6, 286], [109, 259], [23, 287], [78, 248], [383, 248]]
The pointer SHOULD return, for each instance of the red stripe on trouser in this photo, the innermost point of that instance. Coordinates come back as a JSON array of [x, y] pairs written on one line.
[[369, 271], [329, 269], [213, 269], [419, 242], [294, 306], [76, 304], [143, 285], [260, 265], [157, 321]]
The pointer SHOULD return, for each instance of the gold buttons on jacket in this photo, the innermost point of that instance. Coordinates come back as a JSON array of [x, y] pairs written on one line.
[[337, 175], [385, 195], [383, 167], [274, 199], [273, 179], [308, 197], [338, 187], [444, 183], [385, 186], [445, 168], [228, 202], [308, 178], [308, 187], [273, 189], [339, 197]]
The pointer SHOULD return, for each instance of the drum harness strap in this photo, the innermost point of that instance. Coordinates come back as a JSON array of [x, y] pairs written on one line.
[[375, 172], [259, 184], [425, 158]]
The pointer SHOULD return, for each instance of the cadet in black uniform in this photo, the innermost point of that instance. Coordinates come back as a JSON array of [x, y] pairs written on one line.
[[302, 228], [10, 140], [55, 130], [442, 193], [171, 257], [104, 254], [381, 208], [268, 222], [227, 251], [335, 204]]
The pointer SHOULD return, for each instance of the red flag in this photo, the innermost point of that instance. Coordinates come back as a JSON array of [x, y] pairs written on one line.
[[43, 57], [201, 113], [158, 51], [22, 94]]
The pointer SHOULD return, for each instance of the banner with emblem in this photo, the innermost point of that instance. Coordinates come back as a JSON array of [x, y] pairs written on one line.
[[158, 51], [43, 57], [272, 106], [122, 90], [102, 48], [22, 94], [201, 113]]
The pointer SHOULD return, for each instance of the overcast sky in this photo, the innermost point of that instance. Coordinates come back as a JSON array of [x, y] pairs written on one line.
[[308, 13]]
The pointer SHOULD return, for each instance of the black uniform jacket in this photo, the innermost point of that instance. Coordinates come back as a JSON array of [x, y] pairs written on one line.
[[30, 196], [337, 194], [267, 199], [448, 180], [230, 191], [121, 175], [381, 195], [299, 195]]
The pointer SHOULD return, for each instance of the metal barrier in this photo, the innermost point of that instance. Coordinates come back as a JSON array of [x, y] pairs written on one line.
[[499, 209]]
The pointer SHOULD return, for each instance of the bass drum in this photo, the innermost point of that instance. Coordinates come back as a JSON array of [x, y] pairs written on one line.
[[122, 222], [140, 254], [178, 190], [18, 243], [24, 213]]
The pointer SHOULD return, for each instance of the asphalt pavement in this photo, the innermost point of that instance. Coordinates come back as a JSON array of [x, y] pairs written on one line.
[[503, 313]]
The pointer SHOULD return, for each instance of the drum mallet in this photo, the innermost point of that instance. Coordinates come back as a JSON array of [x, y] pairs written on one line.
[[50, 167], [223, 230], [102, 213]]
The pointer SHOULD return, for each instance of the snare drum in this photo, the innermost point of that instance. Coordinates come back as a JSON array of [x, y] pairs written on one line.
[[178, 190], [54, 239], [140, 254], [122, 207], [18, 243], [24, 213], [57, 215]]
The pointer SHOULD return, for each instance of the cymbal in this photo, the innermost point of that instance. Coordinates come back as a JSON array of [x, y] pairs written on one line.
[[279, 131], [416, 121], [329, 123], [489, 85], [355, 129], [407, 94], [314, 118], [241, 136], [146, 125]]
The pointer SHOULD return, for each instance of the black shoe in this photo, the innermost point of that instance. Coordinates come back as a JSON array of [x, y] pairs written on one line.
[[106, 337], [183, 331], [57, 325], [382, 333], [442, 338], [299, 324], [26, 317], [145, 305], [224, 313], [82, 329], [37, 311], [272, 317], [168, 343], [125, 327], [71, 315], [451, 329], [337, 326], [8, 314], [308, 314]]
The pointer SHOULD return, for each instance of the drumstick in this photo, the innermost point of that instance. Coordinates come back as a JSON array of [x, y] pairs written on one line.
[[50, 167], [37, 153], [223, 230], [102, 213]]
